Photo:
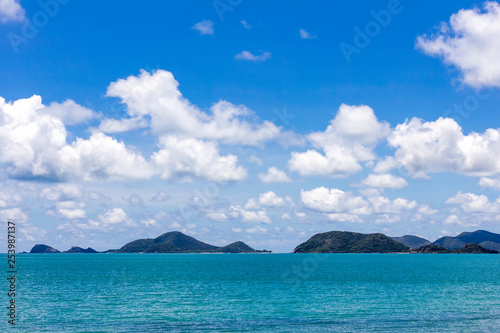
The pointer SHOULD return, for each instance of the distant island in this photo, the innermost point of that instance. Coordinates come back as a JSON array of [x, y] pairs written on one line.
[[350, 242], [170, 242], [480, 241]]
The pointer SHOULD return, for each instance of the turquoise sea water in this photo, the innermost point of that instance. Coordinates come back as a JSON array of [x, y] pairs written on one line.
[[257, 293]]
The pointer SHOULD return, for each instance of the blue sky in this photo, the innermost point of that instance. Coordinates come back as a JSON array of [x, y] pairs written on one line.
[[239, 120]]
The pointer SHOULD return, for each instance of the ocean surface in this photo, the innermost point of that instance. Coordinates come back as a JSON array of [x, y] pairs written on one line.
[[256, 293]]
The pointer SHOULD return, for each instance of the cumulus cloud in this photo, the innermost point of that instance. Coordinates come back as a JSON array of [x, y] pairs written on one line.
[[34, 145], [69, 210], [441, 146], [102, 157], [249, 215], [11, 10], [161, 197], [111, 219], [70, 113], [342, 217], [122, 125], [425, 209], [274, 175], [249, 56], [200, 158], [13, 214], [156, 95], [256, 230], [305, 35], [384, 181], [205, 27], [64, 192], [9, 197], [471, 42], [493, 183], [473, 203], [348, 140], [135, 200], [331, 201]]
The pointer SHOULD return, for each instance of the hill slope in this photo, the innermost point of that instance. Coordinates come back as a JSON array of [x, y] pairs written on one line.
[[476, 237], [350, 242], [451, 243], [479, 236], [490, 245], [474, 248], [413, 242]]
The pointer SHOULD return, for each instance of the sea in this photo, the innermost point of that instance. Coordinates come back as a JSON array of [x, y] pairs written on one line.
[[255, 293]]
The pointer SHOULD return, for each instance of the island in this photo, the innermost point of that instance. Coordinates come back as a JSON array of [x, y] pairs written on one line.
[[350, 242], [170, 242]]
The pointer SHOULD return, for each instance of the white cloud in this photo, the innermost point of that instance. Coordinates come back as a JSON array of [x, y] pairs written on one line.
[[471, 42], [161, 197], [305, 35], [34, 145], [385, 205], [427, 210], [341, 217], [69, 210], [270, 199], [453, 219], [473, 203], [217, 216], [274, 175], [333, 201], [387, 219], [205, 27], [490, 182], [249, 56], [109, 220], [61, 192], [347, 141], [252, 204], [197, 157], [9, 197], [13, 214], [440, 146], [300, 214], [102, 157], [256, 230], [11, 10], [157, 96], [135, 200], [286, 216], [122, 125], [249, 215], [337, 201], [246, 25], [384, 181], [70, 113], [72, 214], [149, 222], [94, 195]]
